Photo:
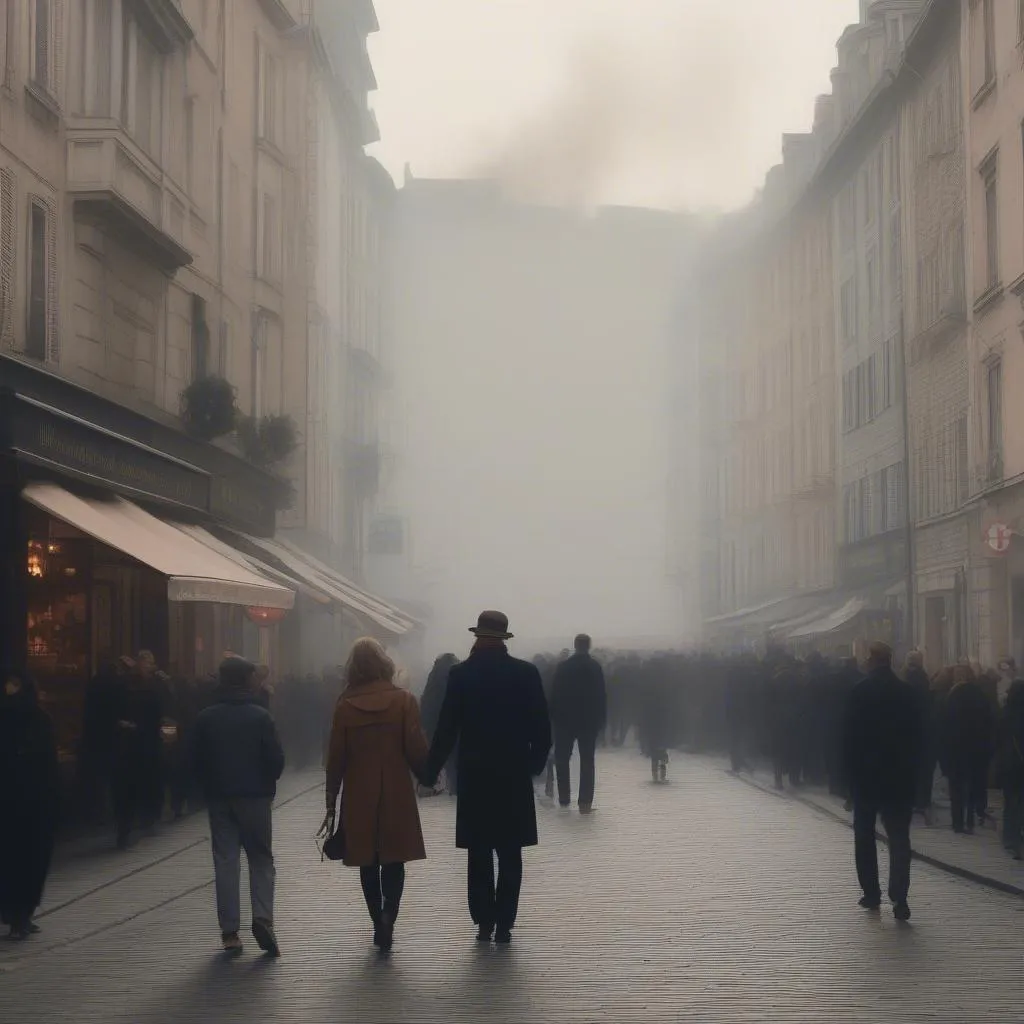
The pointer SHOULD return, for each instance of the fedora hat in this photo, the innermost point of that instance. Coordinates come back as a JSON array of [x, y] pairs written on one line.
[[493, 625]]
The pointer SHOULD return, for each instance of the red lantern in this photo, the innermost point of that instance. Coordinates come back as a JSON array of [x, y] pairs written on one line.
[[265, 616]]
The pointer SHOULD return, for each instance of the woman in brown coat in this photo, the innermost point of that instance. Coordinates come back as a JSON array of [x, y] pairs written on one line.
[[376, 742]]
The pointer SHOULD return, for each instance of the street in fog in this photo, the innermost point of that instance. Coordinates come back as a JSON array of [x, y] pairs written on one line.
[[704, 900]]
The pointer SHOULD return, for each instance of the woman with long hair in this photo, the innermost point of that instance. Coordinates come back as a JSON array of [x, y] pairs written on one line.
[[29, 800], [376, 746]]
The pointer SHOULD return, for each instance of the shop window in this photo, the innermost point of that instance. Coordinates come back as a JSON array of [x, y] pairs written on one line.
[[58, 627]]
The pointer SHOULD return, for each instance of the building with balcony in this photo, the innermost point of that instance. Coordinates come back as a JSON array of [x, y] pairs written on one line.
[[154, 234]]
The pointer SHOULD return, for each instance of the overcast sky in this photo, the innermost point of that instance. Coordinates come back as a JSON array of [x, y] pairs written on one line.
[[687, 98]]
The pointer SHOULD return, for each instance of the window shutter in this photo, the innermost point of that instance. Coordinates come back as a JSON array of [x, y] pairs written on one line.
[[8, 220], [52, 324]]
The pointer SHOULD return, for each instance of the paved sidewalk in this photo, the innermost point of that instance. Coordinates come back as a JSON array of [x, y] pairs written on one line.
[[979, 857], [89, 892], [700, 901]]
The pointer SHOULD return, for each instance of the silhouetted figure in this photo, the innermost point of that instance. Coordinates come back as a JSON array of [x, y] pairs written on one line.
[[376, 741], [1011, 767], [238, 760], [430, 711], [137, 784], [29, 801], [965, 748], [495, 711], [917, 679], [880, 748], [578, 711], [738, 712], [656, 717], [784, 720], [98, 742]]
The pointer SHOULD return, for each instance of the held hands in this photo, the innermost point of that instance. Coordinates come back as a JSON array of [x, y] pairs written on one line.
[[327, 825]]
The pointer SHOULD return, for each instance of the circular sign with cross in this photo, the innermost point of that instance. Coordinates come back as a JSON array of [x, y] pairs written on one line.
[[997, 538]]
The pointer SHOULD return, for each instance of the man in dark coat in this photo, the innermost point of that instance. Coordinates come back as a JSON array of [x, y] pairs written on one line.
[[137, 783], [29, 801], [880, 750], [238, 760], [495, 710], [966, 746], [579, 707]]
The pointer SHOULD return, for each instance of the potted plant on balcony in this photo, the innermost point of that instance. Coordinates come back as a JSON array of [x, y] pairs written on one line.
[[267, 441], [208, 408]]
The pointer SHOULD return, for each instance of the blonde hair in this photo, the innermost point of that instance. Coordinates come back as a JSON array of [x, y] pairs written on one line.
[[368, 663]]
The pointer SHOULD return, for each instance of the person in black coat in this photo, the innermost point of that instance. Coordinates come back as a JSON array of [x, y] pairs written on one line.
[[919, 682], [966, 746], [495, 710], [880, 751], [137, 765], [29, 802], [579, 707], [430, 711], [1011, 768]]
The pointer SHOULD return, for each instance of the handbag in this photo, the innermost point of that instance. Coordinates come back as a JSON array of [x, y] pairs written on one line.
[[334, 847]]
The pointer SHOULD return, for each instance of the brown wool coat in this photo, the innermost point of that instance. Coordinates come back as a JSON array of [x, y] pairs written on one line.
[[376, 742]]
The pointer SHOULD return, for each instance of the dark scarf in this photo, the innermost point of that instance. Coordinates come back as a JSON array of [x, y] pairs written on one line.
[[489, 644]]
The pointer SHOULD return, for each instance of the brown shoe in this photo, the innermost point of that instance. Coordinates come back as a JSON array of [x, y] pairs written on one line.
[[231, 942]]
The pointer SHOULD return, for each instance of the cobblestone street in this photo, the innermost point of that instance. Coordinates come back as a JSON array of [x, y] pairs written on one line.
[[702, 900]]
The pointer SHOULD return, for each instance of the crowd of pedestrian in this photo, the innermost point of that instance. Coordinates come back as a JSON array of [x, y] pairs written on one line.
[[489, 726]]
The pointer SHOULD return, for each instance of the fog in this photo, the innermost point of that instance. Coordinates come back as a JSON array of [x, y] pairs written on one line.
[[535, 330]]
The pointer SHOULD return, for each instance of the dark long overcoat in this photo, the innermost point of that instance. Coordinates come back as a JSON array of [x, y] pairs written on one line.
[[881, 740], [495, 709], [29, 797]]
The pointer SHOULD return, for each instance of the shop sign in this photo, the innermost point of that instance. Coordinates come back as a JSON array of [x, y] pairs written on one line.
[[879, 558], [997, 538], [49, 438]]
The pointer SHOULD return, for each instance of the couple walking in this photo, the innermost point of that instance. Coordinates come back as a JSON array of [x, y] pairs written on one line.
[[494, 710], [495, 713]]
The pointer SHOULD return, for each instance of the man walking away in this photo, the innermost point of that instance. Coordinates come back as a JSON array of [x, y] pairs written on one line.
[[1011, 768], [578, 710], [238, 759], [880, 749], [967, 742], [494, 709]]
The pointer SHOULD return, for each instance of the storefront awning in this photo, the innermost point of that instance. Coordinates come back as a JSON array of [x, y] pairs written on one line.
[[770, 615], [829, 623], [345, 592], [257, 565], [194, 571]]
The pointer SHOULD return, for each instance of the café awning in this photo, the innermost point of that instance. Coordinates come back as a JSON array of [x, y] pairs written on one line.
[[257, 565], [194, 571], [351, 597], [835, 619]]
